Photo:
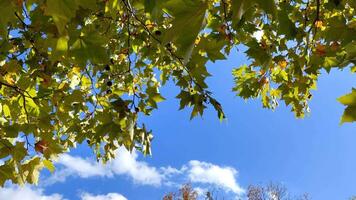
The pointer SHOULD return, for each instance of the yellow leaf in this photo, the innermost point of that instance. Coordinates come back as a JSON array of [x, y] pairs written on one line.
[[319, 24], [76, 70], [49, 165], [62, 43], [9, 79], [6, 110], [282, 63]]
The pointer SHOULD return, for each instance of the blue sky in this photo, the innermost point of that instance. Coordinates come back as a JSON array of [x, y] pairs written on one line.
[[315, 155]]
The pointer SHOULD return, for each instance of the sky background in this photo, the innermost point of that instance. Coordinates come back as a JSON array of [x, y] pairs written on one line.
[[314, 155]]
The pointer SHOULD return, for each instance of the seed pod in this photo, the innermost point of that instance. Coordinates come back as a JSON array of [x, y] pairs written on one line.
[[158, 33]]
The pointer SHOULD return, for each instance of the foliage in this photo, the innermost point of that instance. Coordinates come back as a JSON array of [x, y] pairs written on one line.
[[75, 71]]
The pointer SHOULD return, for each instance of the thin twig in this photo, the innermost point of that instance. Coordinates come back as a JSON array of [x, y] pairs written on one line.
[[93, 89], [128, 39], [18, 90]]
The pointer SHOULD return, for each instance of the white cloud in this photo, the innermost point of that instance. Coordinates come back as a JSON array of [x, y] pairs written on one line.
[[26, 193], [141, 173], [83, 167], [124, 164], [202, 174], [222, 177], [170, 171], [109, 196], [77, 166]]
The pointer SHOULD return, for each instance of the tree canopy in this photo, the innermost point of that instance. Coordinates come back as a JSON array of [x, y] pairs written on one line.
[[85, 71]]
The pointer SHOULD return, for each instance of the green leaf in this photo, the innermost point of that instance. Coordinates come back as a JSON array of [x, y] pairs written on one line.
[[239, 7], [189, 20], [349, 114], [351, 51], [154, 8], [261, 55], [88, 4], [158, 97], [269, 6], [330, 62], [49, 165], [30, 170], [5, 148], [7, 13], [6, 173], [89, 47], [62, 44], [353, 69], [286, 26], [61, 11], [212, 48], [19, 152], [6, 110], [349, 100], [11, 131]]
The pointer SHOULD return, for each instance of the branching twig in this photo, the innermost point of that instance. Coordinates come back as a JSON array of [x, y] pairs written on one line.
[[27, 142], [25, 108], [25, 26], [95, 93], [17, 89], [317, 17], [23, 96], [225, 17], [128, 41]]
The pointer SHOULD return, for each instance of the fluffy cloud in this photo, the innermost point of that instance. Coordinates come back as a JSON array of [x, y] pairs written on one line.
[[109, 196], [83, 167], [207, 173], [77, 166], [124, 164], [26, 193], [140, 172], [201, 174]]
